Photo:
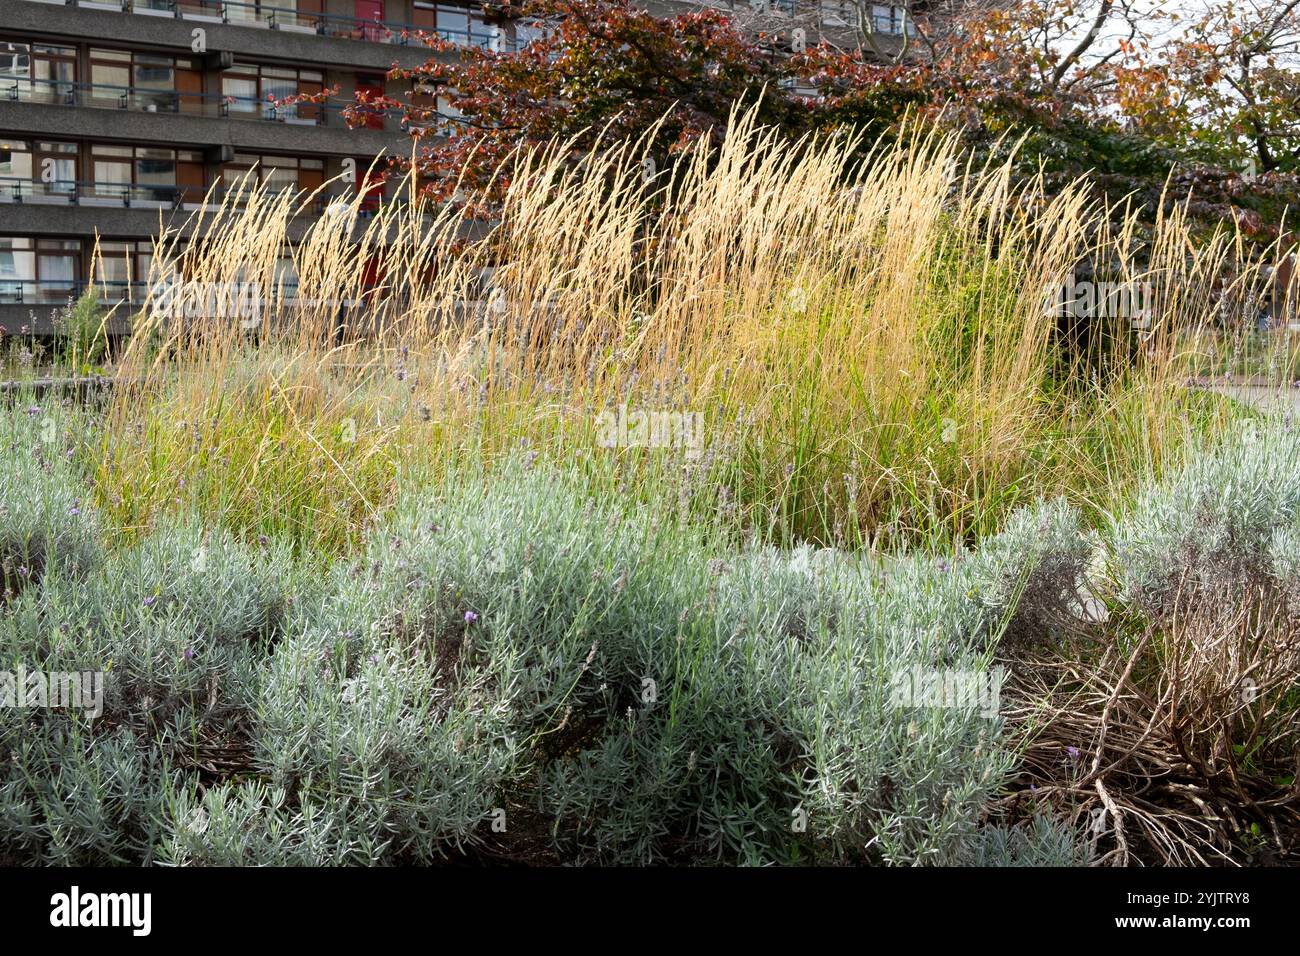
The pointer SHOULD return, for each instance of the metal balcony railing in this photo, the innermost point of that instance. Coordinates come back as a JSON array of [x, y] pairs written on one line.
[[14, 189], [319, 204], [146, 100], [778, 8], [17, 190], [38, 291], [107, 291]]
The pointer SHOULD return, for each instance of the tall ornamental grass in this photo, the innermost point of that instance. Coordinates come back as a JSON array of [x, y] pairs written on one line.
[[864, 342]]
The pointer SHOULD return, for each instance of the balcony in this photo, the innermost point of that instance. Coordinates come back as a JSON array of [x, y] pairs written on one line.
[[143, 100], [38, 291], [761, 8], [331, 25], [108, 292], [50, 295], [69, 192], [100, 196]]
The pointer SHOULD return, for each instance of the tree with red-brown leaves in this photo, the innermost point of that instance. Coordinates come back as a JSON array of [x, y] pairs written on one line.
[[594, 68], [1073, 74]]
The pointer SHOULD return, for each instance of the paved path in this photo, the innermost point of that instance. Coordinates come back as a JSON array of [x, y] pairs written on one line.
[[1266, 398]]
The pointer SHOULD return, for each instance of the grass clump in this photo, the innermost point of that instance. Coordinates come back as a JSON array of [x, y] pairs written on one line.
[[862, 350]]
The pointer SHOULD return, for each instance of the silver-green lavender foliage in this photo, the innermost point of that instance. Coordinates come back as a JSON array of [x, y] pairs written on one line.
[[654, 700], [44, 521], [1226, 518], [1042, 841], [417, 694], [1033, 575], [510, 653], [177, 625]]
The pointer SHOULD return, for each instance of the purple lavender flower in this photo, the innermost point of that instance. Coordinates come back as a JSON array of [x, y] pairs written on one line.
[[148, 602], [1073, 752], [189, 653], [470, 617]]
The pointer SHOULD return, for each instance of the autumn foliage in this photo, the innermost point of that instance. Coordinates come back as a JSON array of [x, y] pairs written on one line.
[[1076, 88]]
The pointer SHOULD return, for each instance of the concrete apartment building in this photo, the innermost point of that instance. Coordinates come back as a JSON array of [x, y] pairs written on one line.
[[119, 115]]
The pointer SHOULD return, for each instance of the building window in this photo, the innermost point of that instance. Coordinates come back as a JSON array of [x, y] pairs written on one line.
[[839, 13], [276, 172], [456, 24], [250, 88], [122, 265], [154, 77], [17, 168], [891, 20], [143, 81], [17, 259], [39, 72], [145, 173], [38, 168], [156, 168], [887, 19], [39, 270]]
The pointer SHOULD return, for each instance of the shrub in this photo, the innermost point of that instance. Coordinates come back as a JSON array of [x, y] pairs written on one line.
[[1034, 573], [73, 791], [44, 519], [238, 824], [609, 684], [1041, 841], [603, 678], [176, 624], [415, 689], [1178, 727], [70, 796], [1208, 528]]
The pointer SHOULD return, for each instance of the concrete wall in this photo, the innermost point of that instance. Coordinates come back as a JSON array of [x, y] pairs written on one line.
[[111, 221], [138, 126]]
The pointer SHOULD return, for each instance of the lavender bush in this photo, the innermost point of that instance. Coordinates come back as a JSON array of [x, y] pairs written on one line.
[[513, 667]]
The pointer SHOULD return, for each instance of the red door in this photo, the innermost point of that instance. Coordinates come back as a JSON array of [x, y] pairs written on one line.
[[370, 10], [373, 87]]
